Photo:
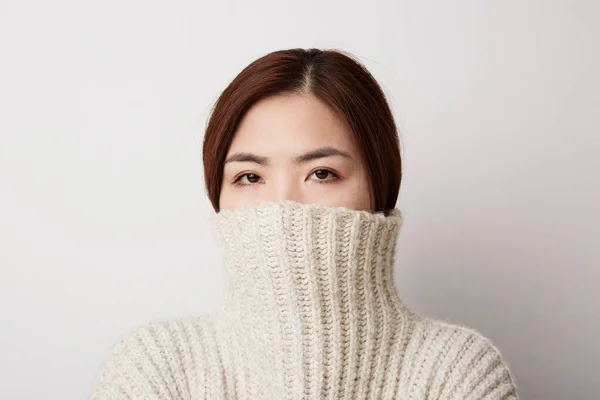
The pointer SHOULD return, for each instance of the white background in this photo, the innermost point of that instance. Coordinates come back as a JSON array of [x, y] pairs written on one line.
[[104, 219]]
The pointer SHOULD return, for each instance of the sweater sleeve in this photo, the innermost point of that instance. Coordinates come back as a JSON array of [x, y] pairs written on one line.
[[146, 363], [478, 371]]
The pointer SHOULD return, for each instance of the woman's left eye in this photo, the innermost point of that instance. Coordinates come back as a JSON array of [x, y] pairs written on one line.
[[322, 174]]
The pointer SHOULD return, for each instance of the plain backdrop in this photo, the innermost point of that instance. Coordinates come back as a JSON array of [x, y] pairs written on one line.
[[104, 221]]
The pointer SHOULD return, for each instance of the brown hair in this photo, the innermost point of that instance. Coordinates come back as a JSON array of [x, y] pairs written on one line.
[[333, 77]]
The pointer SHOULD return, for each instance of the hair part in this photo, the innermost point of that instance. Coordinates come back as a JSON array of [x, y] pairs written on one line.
[[334, 77]]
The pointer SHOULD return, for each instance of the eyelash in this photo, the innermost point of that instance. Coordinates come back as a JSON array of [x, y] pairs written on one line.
[[336, 177]]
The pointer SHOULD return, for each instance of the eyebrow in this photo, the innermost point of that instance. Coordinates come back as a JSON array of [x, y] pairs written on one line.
[[303, 158]]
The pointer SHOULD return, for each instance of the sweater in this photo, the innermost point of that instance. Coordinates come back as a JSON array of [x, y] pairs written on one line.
[[311, 312]]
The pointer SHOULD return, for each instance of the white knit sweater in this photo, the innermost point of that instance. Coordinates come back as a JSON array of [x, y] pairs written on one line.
[[311, 313]]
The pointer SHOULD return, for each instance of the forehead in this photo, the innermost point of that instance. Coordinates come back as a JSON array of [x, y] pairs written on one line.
[[291, 124]]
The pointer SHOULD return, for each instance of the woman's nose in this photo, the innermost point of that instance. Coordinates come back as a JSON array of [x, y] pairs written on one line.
[[284, 191]]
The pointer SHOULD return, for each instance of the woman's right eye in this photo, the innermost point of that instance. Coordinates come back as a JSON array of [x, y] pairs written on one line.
[[246, 180]]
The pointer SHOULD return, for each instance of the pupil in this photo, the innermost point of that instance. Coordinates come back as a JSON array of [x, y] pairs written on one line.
[[251, 178], [321, 174]]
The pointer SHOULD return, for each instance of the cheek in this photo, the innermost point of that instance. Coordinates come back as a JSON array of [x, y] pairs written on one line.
[[353, 194], [228, 199], [232, 197], [359, 198], [224, 202]]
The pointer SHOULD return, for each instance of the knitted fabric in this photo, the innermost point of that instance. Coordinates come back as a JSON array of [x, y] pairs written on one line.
[[311, 312]]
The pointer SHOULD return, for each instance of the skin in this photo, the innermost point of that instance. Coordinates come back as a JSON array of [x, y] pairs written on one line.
[[275, 156]]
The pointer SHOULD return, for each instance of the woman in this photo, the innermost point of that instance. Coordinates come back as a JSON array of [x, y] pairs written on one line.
[[302, 164]]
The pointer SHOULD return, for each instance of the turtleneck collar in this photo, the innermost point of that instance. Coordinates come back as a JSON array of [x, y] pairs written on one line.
[[302, 250], [310, 288]]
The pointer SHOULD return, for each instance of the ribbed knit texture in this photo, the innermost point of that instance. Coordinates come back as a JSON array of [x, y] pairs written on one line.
[[311, 313]]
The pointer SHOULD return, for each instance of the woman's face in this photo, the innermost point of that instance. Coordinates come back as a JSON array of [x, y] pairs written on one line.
[[294, 147]]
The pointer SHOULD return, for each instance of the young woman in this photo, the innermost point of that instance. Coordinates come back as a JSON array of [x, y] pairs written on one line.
[[302, 165]]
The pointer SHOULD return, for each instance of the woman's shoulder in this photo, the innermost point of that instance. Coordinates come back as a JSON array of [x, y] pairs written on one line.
[[459, 362], [156, 358]]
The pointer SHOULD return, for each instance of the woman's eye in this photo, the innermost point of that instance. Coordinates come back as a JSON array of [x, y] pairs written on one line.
[[247, 179], [323, 174]]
